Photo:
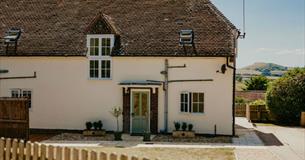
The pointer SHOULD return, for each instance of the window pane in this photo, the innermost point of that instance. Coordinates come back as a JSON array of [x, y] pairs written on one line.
[[108, 42], [108, 74], [103, 64], [15, 93], [195, 107], [106, 68], [195, 97], [182, 107], [27, 94], [94, 46], [94, 69], [108, 64], [103, 42], [201, 107], [201, 96], [107, 51]]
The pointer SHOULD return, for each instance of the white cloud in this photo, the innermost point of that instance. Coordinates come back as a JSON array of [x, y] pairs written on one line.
[[297, 51]]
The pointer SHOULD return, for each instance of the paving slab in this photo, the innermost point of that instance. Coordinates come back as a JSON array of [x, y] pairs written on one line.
[[254, 154]]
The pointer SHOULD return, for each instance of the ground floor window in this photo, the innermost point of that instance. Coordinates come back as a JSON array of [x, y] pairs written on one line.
[[24, 93], [192, 102], [197, 102]]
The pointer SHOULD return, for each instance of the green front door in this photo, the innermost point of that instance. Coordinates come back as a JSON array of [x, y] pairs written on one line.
[[140, 112]]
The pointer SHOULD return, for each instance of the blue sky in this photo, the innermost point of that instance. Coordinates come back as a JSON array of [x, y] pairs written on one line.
[[275, 30]]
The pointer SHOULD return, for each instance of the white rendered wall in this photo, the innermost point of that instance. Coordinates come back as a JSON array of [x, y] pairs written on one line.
[[64, 97]]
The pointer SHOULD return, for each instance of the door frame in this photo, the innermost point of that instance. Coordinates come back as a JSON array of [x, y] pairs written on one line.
[[131, 102]]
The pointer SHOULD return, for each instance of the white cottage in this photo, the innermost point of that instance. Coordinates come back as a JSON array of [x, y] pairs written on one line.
[[162, 61]]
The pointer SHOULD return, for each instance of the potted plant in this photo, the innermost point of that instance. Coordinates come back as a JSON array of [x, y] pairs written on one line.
[[177, 126], [184, 126], [88, 125], [190, 127], [100, 125], [95, 125], [186, 131], [97, 131], [117, 112], [146, 136]]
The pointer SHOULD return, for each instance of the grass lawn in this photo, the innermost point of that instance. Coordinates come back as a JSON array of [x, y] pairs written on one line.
[[171, 153]]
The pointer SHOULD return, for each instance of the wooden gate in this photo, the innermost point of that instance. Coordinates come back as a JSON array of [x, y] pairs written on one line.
[[14, 118]]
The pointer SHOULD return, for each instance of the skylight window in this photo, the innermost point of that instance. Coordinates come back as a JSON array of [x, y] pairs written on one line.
[[186, 37], [12, 35]]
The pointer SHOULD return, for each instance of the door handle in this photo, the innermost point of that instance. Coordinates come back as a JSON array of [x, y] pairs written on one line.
[[132, 114]]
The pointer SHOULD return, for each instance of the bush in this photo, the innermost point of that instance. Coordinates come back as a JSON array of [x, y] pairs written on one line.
[[100, 125], [88, 125], [258, 102], [285, 97], [190, 127], [241, 100], [257, 83], [95, 125], [184, 126], [177, 126]]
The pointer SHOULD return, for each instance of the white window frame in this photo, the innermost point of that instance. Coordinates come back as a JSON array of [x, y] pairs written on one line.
[[190, 96], [100, 57], [192, 110], [187, 103], [20, 94]]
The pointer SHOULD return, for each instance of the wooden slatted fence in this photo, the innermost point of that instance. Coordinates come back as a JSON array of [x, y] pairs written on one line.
[[12, 149], [240, 110]]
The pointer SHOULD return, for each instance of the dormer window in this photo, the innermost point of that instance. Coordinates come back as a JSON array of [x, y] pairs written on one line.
[[186, 37], [99, 51]]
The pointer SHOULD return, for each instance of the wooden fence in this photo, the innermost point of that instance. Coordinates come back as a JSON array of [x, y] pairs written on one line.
[[254, 113], [240, 110], [259, 113], [14, 118], [19, 150]]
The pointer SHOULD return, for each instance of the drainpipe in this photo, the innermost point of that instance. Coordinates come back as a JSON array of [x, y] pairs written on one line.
[[166, 96], [233, 93], [235, 44]]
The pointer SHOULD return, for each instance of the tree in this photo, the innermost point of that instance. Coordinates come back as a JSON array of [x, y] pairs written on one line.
[[257, 83], [286, 97]]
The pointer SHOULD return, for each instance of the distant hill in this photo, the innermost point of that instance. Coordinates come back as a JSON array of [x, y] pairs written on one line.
[[260, 68]]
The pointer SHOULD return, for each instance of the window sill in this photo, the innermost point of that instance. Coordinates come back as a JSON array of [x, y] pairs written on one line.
[[191, 113], [100, 79]]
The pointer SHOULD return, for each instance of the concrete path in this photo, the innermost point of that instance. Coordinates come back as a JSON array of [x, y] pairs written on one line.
[[292, 139]]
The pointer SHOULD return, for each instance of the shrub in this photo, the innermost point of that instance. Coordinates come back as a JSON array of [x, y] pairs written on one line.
[[88, 125], [177, 126], [100, 125], [285, 97], [257, 83], [241, 100], [184, 126], [258, 102], [190, 127], [95, 125]]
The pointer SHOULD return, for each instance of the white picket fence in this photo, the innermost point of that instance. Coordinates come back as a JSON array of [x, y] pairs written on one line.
[[12, 149]]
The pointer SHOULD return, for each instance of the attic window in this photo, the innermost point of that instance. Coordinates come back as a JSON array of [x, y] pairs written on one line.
[[12, 35], [186, 37]]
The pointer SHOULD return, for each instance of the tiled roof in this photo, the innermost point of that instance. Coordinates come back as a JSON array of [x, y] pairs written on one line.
[[145, 27]]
